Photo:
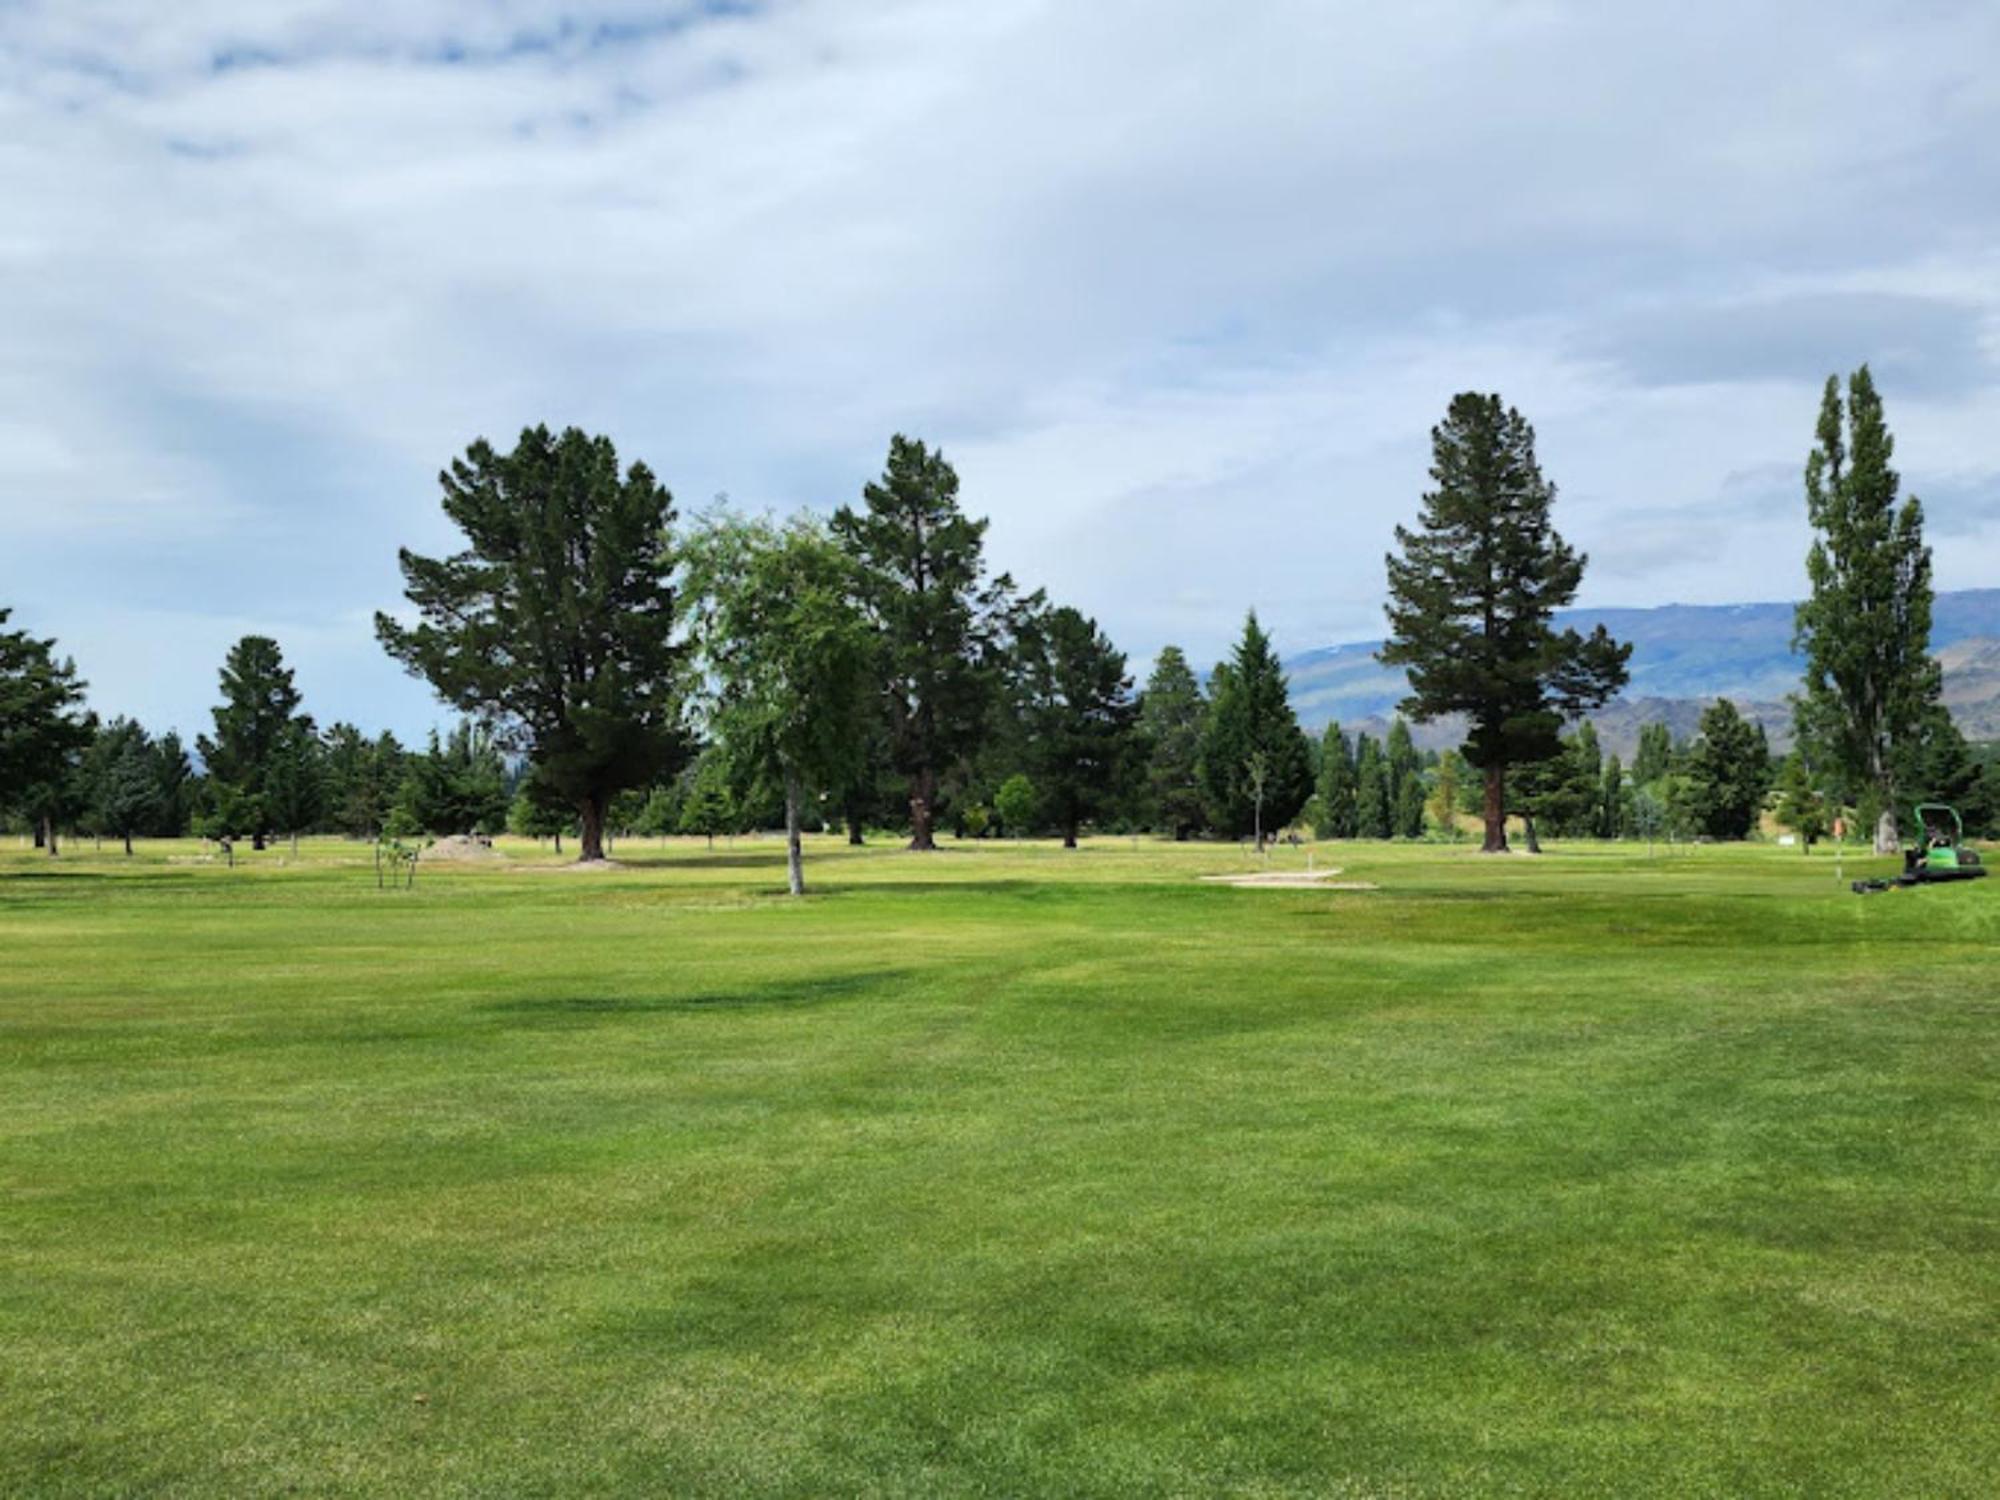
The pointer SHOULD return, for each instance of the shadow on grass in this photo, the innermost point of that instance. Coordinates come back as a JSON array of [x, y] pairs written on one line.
[[787, 994]]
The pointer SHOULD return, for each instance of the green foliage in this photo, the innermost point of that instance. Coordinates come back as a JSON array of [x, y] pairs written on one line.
[[295, 781], [1472, 596], [1338, 813], [1016, 805], [1727, 772], [1080, 718], [1801, 806], [1870, 680], [708, 805], [1253, 738], [556, 621], [458, 786], [789, 653], [1935, 764], [362, 777], [1656, 754], [121, 783], [1173, 721], [942, 628], [44, 730], [1371, 790], [1404, 773], [537, 812], [1447, 789], [1613, 799], [257, 724]]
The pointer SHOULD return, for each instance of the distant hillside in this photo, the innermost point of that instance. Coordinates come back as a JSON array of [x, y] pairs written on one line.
[[1683, 656]]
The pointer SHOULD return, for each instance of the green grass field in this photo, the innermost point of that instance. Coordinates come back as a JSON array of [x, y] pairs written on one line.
[[1000, 1171]]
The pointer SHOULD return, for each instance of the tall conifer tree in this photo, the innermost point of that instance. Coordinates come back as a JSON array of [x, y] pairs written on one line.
[[1256, 766], [1472, 596]]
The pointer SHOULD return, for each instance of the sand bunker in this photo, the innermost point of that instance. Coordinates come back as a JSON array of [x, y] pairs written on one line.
[[1292, 880], [463, 848]]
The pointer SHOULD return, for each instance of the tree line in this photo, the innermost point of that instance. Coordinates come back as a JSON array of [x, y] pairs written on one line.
[[620, 671]]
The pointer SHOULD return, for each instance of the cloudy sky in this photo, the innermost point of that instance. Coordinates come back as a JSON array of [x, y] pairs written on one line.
[[1179, 287]]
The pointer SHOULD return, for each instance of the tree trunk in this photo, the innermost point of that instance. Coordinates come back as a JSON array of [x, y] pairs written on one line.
[[592, 841], [1495, 811], [1069, 834], [256, 841], [1886, 834], [559, 841], [854, 828], [41, 833], [295, 843], [128, 846], [795, 864], [1528, 827], [923, 801], [47, 838]]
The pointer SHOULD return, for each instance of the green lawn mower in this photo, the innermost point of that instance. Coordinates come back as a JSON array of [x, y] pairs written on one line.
[[1939, 855]]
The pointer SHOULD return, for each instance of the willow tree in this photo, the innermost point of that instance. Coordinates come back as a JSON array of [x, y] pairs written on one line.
[[1473, 596], [1870, 680], [790, 657], [556, 620]]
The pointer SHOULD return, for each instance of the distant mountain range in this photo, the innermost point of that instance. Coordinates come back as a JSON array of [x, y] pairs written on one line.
[[1684, 656]]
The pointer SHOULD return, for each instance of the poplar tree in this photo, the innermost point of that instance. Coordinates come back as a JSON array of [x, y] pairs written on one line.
[[1472, 596], [1865, 629], [556, 622]]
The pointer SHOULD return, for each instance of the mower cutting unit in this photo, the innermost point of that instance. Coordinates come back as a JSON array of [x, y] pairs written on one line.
[[1939, 856]]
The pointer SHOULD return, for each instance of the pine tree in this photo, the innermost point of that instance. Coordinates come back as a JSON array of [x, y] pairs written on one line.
[[1256, 767], [557, 622], [1338, 818], [1405, 772], [1371, 790], [1472, 598], [1173, 718], [1080, 719], [1801, 807], [1865, 629], [1726, 768], [944, 629], [254, 723]]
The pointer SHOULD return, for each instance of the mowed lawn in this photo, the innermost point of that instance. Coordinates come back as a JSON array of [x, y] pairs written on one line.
[[1001, 1171]]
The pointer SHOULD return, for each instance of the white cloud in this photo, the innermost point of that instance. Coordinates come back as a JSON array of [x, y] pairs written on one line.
[[1182, 291]]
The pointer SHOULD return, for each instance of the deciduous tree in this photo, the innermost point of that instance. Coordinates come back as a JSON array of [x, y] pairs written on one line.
[[1865, 628], [790, 655]]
